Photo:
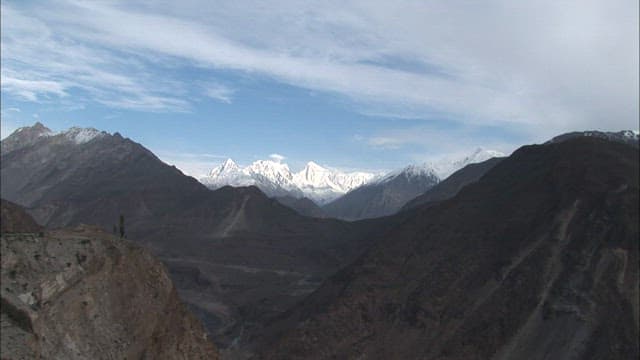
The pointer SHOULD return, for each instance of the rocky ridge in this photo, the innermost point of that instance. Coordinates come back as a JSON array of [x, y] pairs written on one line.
[[85, 294]]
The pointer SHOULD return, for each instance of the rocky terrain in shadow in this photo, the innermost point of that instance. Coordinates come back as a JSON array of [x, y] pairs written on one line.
[[536, 260], [383, 197], [238, 258], [85, 294], [303, 206], [450, 186]]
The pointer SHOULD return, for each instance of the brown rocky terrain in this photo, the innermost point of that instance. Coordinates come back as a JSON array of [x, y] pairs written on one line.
[[536, 260], [237, 257], [13, 219], [85, 294]]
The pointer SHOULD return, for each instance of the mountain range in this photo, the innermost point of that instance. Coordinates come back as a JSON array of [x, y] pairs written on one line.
[[537, 259], [238, 257], [528, 256], [348, 196], [388, 194], [275, 179]]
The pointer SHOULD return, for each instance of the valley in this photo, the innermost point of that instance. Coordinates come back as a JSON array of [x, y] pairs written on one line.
[[254, 270]]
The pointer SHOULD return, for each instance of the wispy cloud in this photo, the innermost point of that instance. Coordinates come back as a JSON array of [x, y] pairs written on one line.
[[426, 143], [277, 157], [219, 92], [31, 90], [544, 65], [51, 66]]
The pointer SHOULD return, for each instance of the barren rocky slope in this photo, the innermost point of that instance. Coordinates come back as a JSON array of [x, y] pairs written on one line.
[[16, 220], [237, 257], [384, 197], [85, 294], [450, 186], [536, 260]]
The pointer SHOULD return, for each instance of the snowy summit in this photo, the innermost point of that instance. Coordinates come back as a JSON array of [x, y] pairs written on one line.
[[318, 183]]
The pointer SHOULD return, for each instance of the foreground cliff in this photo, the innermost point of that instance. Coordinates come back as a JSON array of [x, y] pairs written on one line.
[[85, 294]]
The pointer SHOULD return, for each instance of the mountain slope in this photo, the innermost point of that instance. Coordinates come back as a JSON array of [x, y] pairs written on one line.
[[82, 293], [302, 206], [542, 266], [450, 186], [383, 197], [447, 166], [627, 137], [13, 219], [238, 257]]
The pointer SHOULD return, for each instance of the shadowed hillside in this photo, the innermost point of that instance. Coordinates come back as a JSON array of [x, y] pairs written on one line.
[[536, 260], [238, 257]]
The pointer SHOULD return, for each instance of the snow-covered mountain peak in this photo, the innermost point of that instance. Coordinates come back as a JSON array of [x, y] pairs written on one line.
[[411, 171], [37, 130], [313, 166], [228, 167], [419, 170], [82, 135], [229, 163], [314, 181], [481, 154], [271, 169], [311, 174], [447, 166]]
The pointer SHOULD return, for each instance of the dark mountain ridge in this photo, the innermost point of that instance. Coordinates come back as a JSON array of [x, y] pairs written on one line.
[[303, 206], [537, 260], [382, 198], [240, 257], [450, 186]]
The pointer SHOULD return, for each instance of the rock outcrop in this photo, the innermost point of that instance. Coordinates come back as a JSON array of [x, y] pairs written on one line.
[[13, 219], [85, 294]]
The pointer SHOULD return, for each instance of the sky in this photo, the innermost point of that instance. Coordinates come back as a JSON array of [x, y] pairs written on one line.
[[354, 85]]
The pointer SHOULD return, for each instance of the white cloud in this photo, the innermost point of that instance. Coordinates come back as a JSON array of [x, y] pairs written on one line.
[[51, 65], [31, 90], [277, 157], [219, 92], [426, 143], [547, 66]]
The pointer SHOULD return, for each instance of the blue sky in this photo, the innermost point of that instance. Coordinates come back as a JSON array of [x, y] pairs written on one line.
[[367, 85]]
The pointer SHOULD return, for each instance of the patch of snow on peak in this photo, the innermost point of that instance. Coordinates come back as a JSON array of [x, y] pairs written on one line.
[[227, 173], [448, 166], [274, 178], [82, 135], [411, 171]]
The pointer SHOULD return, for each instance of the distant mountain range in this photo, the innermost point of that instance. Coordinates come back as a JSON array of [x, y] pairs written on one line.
[[507, 258], [324, 185], [275, 179], [386, 195]]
